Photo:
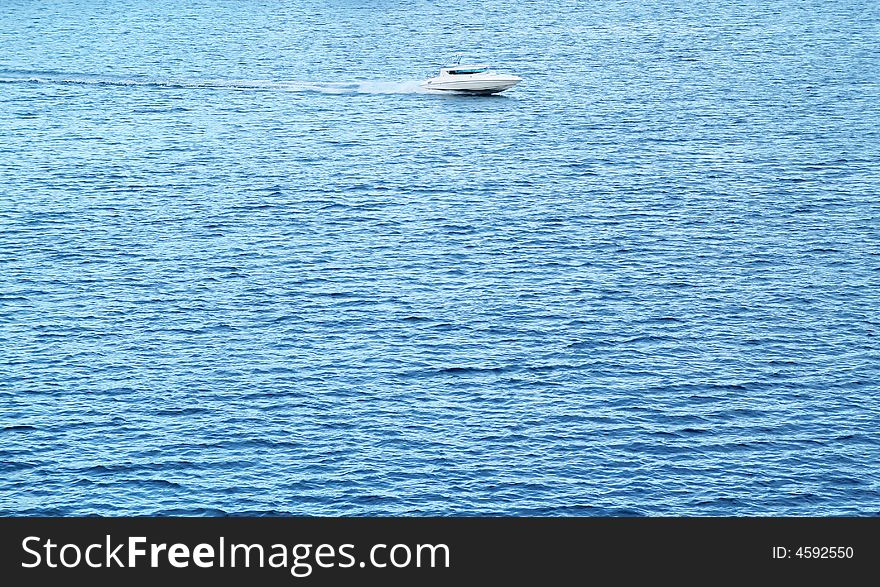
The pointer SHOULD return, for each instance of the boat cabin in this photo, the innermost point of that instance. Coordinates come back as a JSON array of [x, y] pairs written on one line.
[[463, 69]]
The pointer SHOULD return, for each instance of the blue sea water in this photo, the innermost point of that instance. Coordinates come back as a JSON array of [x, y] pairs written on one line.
[[248, 267]]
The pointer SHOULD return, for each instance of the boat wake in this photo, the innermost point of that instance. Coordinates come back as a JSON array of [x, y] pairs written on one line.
[[355, 87]]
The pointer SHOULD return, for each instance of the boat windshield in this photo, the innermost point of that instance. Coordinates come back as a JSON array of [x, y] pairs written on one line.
[[468, 70]]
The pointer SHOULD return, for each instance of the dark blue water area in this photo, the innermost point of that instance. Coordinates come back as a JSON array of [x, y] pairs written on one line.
[[248, 266]]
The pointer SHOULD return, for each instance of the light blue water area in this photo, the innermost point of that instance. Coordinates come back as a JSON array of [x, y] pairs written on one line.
[[247, 266]]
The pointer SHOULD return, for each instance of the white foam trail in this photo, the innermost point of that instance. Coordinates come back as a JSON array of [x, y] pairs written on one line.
[[357, 87]]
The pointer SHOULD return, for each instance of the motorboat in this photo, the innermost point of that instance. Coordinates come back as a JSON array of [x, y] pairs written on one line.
[[471, 79]]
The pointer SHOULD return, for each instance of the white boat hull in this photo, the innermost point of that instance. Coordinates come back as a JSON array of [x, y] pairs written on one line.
[[476, 84]]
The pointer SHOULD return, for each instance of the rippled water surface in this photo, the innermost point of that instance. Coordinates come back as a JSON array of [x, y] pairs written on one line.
[[247, 266]]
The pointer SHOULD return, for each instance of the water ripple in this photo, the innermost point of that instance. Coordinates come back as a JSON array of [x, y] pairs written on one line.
[[643, 282]]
